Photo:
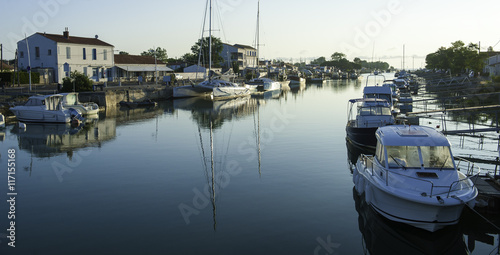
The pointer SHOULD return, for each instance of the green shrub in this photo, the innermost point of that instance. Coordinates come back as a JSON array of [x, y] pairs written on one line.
[[496, 79], [80, 81], [11, 77]]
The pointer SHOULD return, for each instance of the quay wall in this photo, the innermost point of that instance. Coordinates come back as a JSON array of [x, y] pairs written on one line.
[[112, 98]]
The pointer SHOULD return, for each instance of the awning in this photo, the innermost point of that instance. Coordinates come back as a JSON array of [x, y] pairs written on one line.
[[144, 68]]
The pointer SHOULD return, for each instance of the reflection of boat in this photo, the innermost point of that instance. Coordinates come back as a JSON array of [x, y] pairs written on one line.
[[47, 108], [382, 236], [296, 79], [364, 119], [413, 178], [70, 100], [50, 139]]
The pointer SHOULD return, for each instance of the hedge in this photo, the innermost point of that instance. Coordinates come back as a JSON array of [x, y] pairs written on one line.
[[11, 77]]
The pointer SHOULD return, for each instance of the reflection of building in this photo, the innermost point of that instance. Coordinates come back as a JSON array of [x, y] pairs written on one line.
[[48, 140], [58, 55]]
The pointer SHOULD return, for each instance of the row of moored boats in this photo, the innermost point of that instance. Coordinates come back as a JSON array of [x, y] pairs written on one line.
[[408, 173]]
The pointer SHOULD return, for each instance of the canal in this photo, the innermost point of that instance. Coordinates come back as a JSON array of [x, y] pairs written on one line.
[[260, 175]]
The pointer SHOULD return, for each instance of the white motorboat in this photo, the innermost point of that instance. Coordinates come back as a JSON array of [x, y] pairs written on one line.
[[265, 84], [382, 92], [413, 178], [365, 116], [46, 108], [70, 100]]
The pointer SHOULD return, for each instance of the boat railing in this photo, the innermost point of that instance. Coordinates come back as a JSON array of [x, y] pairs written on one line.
[[472, 172]]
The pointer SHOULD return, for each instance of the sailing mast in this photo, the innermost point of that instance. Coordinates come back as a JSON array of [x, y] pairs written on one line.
[[210, 39], [258, 32]]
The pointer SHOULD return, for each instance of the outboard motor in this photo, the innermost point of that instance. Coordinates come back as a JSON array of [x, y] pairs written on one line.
[[75, 114]]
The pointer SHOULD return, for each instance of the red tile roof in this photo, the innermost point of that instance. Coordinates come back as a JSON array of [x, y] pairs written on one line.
[[137, 60], [75, 39]]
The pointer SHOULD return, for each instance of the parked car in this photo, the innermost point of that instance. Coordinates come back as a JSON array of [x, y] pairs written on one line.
[[178, 76]]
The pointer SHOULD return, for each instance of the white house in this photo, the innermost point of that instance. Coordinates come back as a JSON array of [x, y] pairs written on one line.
[[62, 54], [244, 55]]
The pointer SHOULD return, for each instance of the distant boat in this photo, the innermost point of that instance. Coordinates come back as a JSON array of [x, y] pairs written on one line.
[[413, 178], [47, 108]]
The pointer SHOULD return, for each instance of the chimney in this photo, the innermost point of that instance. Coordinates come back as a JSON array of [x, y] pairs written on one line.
[[66, 33]]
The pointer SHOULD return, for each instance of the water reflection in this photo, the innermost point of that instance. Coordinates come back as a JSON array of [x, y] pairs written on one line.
[[52, 139]]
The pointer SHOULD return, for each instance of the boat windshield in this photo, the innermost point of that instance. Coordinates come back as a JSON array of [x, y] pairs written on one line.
[[387, 97], [437, 157], [373, 110], [403, 157], [71, 99], [408, 157]]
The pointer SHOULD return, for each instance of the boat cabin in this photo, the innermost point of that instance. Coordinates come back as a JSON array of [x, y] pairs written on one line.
[[410, 147], [371, 112], [49, 103]]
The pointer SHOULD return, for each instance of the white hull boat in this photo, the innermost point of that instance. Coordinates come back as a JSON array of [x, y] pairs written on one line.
[[46, 108], [215, 88], [414, 179], [264, 84]]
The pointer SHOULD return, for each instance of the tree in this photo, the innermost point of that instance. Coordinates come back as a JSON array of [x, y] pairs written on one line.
[[216, 50], [123, 53], [338, 56], [236, 67], [78, 81], [319, 61], [161, 54], [458, 58]]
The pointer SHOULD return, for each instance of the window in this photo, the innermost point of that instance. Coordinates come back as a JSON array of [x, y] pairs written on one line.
[[94, 72], [84, 53], [94, 54], [21, 54], [49, 52], [37, 52], [68, 53], [403, 157], [437, 157], [85, 71], [105, 54]]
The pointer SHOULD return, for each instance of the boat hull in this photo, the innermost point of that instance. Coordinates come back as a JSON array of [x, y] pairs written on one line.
[[425, 212], [229, 92], [28, 115], [191, 91], [364, 137]]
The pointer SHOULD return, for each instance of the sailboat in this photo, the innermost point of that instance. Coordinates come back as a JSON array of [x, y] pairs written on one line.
[[214, 86]]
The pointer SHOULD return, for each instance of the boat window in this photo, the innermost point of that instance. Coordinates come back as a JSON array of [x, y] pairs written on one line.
[[380, 154], [71, 99], [403, 157], [437, 157]]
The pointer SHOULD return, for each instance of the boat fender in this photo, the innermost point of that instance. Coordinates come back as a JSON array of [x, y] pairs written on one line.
[[368, 194]]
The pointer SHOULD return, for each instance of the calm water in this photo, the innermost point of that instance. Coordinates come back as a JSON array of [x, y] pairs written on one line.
[[248, 176]]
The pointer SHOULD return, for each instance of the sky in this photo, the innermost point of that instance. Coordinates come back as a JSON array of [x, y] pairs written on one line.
[[290, 30]]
